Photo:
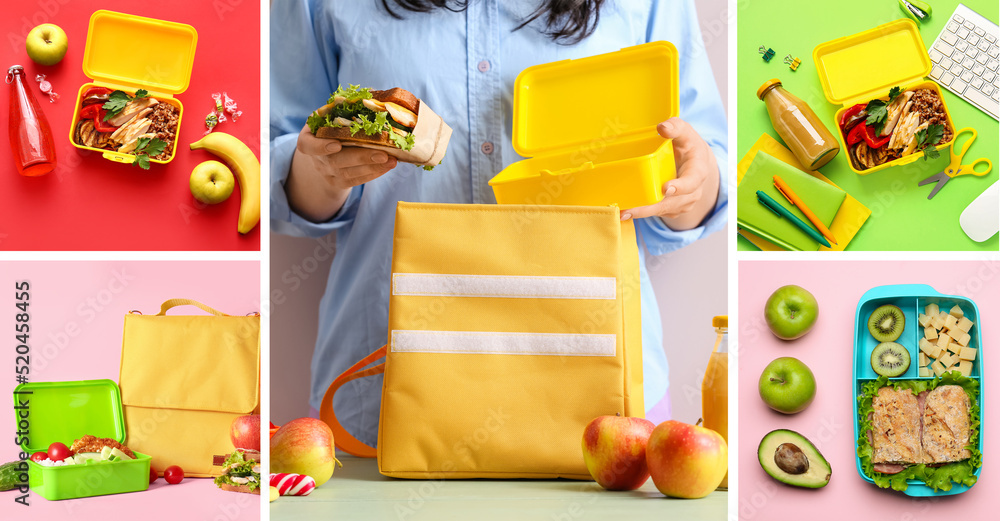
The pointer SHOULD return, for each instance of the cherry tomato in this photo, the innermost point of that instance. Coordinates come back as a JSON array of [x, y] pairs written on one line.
[[39, 457], [173, 474], [59, 451], [152, 475]]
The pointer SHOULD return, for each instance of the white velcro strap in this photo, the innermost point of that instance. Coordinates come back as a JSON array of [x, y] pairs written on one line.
[[485, 342], [503, 286]]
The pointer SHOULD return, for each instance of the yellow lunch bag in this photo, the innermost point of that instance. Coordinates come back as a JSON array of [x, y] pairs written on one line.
[[183, 379], [510, 328]]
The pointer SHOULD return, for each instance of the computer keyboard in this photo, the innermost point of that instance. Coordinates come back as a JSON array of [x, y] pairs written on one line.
[[966, 56]]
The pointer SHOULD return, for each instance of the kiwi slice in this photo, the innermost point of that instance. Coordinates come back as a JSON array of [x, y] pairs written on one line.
[[886, 323], [890, 359]]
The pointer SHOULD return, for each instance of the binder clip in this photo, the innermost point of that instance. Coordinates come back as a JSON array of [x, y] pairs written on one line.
[[767, 52], [793, 63]]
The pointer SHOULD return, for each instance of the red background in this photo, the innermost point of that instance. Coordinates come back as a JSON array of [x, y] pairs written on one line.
[[89, 203]]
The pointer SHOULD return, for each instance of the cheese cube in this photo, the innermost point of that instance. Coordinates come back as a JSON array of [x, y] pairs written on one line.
[[924, 320], [956, 312], [924, 360], [954, 348], [964, 324], [948, 360], [943, 340], [965, 367], [924, 372], [938, 368], [967, 353], [950, 322], [930, 333], [938, 352], [927, 348], [963, 339], [937, 322], [931, 310]]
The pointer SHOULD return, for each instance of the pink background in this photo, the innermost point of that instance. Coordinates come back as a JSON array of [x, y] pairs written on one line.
[[828, 421], [91, 298]]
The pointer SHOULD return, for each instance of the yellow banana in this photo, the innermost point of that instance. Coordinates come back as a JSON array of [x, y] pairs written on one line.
[[247, 168]]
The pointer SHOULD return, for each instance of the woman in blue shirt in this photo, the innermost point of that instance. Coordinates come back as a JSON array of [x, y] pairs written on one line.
[[462, 59]]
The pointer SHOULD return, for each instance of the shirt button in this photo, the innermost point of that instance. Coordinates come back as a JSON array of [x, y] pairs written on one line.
[[487, 148], [484, 66]]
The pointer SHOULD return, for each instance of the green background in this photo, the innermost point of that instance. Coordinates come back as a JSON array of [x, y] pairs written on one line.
[[902, 217]]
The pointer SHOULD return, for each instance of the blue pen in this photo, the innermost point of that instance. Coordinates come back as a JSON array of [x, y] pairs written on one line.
[[781, 211]]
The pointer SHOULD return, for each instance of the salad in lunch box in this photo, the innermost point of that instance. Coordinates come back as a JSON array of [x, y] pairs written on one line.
[[127, 123], [903, 123]]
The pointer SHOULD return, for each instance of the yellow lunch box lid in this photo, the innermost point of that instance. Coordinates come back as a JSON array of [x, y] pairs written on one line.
[[563, 105], [138, 52], [866, 65]]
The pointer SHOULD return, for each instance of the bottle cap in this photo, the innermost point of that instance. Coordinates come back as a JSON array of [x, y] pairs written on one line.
[[768, 85], [720, 321]]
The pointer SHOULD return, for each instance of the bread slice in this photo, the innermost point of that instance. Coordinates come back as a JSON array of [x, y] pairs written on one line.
[[401, 97], [239, 488]]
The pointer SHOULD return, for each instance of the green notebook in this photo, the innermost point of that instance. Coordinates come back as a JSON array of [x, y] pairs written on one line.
[[822, 198]]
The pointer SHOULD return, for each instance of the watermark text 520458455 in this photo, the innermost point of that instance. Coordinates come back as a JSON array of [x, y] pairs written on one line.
[[22, 368]]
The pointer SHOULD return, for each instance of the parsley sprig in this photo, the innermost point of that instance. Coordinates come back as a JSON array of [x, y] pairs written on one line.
[[117, 101], [878, 110], [927, 138], [146, 148]]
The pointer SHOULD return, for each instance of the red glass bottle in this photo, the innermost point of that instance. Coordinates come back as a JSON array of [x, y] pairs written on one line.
[[30, 136]]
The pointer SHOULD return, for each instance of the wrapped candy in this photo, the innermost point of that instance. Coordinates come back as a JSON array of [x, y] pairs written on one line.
[[292, 484], [46, 88], [218, 114], [230, 105]]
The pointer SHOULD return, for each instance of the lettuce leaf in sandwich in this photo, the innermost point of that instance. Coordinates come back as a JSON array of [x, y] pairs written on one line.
[[240, 471]]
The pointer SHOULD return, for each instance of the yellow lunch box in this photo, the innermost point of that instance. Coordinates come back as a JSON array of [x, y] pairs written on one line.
[[865, 66], [127, 52], [584, 150]]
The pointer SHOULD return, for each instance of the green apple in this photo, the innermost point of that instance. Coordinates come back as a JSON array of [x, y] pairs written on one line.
[[791, 312], [46, 44], [787, 385], [212, 182]]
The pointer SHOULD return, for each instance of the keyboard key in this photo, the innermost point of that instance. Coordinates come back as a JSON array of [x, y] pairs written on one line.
[[958, 56], [952, 26], [993, 52], [958, 18], [946, 79], [991, 38], [934, 55], [983, 45], [963, 46], [974, 40], [968, 25], [990, 104], [989, 75], [956, 69], [979, 30], [944, 48], [988, 89], [958, 87], [967, 76], [978, 70], [963, 33], [950, 38], [946, 63], [936, 72], [992, 65], [969, 63], [977, 83]]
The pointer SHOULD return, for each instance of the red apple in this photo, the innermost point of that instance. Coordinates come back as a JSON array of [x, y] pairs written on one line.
[[274, 429], [244, 432], [686, 461], [614, 449], [304, 446]]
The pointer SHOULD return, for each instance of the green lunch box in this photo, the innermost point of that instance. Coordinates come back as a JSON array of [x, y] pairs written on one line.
[[64, 412]]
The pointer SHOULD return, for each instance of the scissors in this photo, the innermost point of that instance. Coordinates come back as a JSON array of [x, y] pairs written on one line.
[[956, 168]]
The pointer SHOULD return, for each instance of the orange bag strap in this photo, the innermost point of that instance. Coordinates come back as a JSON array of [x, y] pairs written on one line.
[[341, 437]]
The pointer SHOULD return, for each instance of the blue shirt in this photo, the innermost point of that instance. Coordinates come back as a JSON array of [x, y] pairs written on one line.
[[463, 65]]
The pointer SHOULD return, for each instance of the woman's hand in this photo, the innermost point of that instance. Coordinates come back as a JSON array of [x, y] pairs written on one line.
[[689, 198], [323, 173]]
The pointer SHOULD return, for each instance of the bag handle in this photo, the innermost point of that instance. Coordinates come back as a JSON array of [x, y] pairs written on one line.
[[343, 439], [174, 302]]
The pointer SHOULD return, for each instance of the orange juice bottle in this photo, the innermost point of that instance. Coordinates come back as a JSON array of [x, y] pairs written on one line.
[[715, 386]]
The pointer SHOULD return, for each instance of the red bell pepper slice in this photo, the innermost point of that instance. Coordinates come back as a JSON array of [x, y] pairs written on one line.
[[850, 113], [96, 91], [873, 140], [89, 112], [100, 124], [856, 134]]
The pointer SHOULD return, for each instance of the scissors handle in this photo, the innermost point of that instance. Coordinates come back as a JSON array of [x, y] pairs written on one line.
[[971, 167], [957, 153]]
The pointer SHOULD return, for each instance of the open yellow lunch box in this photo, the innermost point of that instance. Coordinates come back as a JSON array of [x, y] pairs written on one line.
[[588, 151], [127, 52], [864, 66]]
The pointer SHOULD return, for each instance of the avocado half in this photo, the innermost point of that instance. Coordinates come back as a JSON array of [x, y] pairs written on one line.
[[790, 458]]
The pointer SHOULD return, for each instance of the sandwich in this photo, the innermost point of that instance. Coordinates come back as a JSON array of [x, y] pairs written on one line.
[[925, 430], [240, 473], [392, 120], [885, 130]]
